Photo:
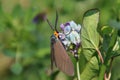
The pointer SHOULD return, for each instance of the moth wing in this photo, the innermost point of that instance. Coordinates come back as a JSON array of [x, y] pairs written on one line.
[[52, 52], [62, 60]]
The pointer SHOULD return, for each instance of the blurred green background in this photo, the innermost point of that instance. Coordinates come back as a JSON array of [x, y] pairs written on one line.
[[25, 45]]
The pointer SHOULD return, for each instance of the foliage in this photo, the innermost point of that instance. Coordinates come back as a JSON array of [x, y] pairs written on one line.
[[28, 43]]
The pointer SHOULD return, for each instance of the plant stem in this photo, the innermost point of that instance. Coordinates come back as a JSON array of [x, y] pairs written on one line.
[[99, 54], [102, 72], [78, 73], [108, 74]]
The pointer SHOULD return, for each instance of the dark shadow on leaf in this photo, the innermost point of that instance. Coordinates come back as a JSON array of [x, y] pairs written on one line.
[[91, 12]]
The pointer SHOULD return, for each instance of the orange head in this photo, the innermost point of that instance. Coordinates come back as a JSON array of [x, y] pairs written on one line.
[[56, 34]]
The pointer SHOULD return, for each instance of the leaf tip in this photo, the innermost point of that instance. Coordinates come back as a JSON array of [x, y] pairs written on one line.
[[91, 12]]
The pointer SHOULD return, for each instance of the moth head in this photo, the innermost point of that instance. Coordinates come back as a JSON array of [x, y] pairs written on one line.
[[56, 34]]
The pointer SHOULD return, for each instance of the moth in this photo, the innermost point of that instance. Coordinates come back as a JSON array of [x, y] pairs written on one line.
[[59, 56]]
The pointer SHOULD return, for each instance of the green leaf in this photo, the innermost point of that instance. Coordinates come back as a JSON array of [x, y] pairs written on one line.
[[115, 69], [109, 35], [90, 70], [106, 30], [9, 52], [114, 24], [116, 53], [113, 39], [111, 44], [89, 34], [18, 12], [90, 42], [16, 68]]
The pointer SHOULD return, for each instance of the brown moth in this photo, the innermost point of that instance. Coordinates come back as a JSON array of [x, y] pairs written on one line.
[[59, 56]]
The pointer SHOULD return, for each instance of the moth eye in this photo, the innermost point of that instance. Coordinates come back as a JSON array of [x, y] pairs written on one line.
[[67, 29]]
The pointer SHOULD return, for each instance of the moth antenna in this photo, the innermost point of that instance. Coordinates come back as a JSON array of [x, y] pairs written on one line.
[[50, 24], [56, 21]]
